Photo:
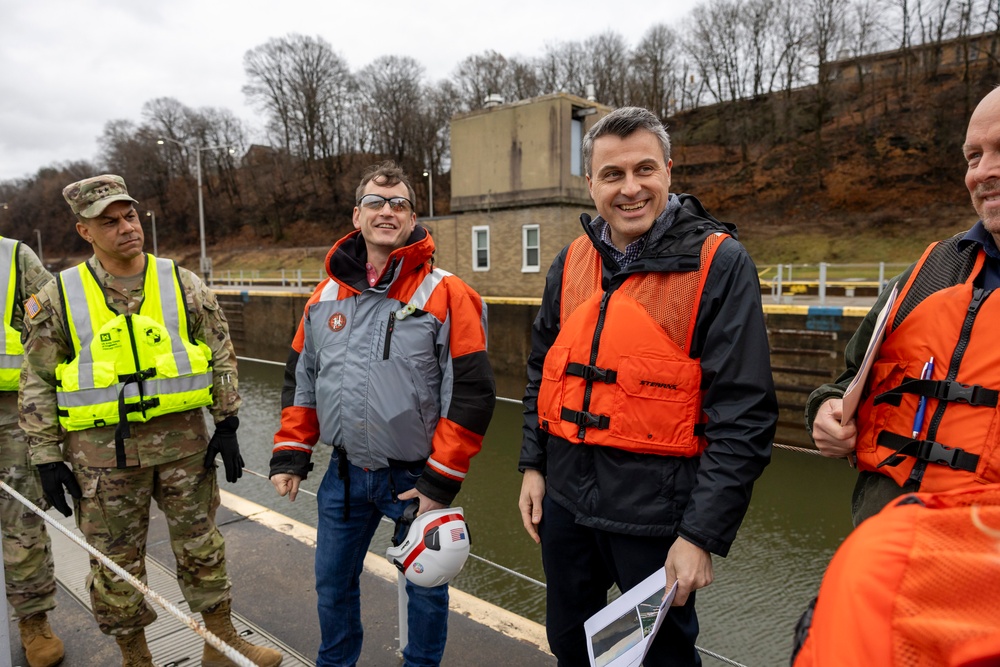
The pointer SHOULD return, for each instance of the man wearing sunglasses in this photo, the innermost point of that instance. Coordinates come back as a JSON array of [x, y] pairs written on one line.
[[389, 367]]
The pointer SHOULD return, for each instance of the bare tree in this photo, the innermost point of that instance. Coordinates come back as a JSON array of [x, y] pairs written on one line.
[[652, 77], [392, 100], [299, 81], [480, 75], [608, 64], [716, 44], [564, 68]]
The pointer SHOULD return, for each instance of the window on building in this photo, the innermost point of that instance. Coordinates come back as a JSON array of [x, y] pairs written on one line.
[[576, 147], [480, 248], [530, 261]]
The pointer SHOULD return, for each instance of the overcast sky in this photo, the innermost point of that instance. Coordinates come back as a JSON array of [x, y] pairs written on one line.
[[68, 67]]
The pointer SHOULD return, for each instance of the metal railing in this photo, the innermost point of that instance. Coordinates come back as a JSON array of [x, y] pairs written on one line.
[[256, 278], [784, 281]]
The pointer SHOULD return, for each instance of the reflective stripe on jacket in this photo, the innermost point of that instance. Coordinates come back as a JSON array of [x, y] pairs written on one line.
[[619, 373], [955, 443], [129, 368], [11, 351]]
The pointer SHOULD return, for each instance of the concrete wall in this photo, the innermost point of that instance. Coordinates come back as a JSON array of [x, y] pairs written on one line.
[[519, 154], [807, 344]]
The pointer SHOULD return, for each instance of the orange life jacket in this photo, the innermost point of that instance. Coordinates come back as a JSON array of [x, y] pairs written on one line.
[[619, 373], [956, 441], [914, 586]]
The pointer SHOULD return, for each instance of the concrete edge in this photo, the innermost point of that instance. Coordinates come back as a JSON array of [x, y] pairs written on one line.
[[484, 613]]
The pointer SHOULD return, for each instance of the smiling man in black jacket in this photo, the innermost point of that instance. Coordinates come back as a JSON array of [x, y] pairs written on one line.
[[650, 408]]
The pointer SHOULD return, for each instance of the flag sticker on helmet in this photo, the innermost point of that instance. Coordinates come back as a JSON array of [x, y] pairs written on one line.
[[425, 556]]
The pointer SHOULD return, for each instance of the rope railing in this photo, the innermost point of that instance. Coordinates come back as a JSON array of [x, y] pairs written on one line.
[[512, 572], [175, 611], [503, 399]]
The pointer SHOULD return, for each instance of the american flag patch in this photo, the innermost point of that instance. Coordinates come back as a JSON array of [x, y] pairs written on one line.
[[457, 534], [32, 307]]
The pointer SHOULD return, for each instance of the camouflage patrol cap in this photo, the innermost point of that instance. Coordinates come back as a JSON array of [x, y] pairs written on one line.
[[88, 198]]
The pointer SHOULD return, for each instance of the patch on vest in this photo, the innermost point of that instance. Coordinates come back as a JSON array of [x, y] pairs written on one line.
[[337, 321], [32, 307]]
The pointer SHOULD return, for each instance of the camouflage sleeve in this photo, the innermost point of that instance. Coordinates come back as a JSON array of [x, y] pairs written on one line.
[[208, 323], [45, 346], [33, 277]]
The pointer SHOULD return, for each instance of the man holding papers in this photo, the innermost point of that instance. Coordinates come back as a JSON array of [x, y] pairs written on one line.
[[928, 416], [650, 408]]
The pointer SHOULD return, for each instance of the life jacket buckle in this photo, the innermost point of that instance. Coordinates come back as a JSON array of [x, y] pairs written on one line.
[[935, 452], [592, 373], [585, 419], [963, 393]]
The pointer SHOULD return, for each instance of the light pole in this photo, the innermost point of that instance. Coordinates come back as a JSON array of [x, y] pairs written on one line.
[[38, 235], [206, 264], [153, 214], [430, 191]]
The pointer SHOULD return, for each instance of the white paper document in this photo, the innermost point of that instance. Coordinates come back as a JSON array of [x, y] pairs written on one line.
[[620, 634], [852, 396]]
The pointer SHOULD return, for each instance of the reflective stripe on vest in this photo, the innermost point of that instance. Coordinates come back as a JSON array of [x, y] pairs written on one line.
[[619, 373], [129, 368], [956, 444], [11, 351]]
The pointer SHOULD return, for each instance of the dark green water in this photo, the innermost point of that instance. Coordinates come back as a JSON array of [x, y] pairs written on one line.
[[799, 514]]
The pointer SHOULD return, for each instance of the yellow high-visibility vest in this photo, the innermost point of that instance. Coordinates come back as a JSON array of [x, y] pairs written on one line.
[[129, 368], [11, 350]]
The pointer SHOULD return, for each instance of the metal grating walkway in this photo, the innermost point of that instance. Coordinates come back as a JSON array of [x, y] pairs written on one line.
[[172, 643]]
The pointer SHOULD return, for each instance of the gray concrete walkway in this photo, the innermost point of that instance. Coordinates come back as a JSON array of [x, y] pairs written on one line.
[[270, 560]]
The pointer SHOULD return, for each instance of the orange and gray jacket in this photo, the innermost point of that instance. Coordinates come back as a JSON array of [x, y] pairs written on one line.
[[940, 312], [702, 497], [397, 372]]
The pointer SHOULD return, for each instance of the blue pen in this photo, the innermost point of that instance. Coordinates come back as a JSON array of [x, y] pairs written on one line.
[[918, 419]]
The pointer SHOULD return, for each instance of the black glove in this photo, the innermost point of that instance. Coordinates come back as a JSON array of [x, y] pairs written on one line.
[[55, 476], [224, 441]]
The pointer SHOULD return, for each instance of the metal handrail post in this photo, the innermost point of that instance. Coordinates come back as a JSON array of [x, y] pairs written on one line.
[[822, 283], [780, 289], [401, 603], [881, 277]]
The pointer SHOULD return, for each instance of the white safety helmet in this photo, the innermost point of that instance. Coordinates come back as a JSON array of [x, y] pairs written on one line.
[[435, 548]]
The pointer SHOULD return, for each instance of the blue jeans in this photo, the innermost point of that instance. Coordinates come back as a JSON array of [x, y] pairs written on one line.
[[340, 553]]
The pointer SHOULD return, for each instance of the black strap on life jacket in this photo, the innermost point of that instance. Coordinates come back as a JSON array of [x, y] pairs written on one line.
[[925, 450], [122, 430], [943, 390], [592, 373], [585, 419]]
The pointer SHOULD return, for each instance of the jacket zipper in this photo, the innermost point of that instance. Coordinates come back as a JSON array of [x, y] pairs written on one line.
[[388, 335], [594, 349], [979, 296]]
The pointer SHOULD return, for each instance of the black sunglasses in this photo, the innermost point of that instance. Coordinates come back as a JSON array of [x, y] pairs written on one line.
[[376, 202]]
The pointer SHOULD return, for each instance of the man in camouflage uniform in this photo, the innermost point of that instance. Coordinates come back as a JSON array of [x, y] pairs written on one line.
[[27, 551], [118, 468]]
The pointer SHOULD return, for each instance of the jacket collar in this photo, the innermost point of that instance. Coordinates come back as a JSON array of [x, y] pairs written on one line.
[[673, 240], [345, 263]]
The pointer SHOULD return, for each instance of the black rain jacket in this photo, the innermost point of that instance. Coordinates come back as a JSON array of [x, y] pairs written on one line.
[[704, 498]]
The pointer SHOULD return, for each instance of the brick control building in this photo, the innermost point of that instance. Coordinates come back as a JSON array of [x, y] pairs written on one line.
[[517, 191]]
